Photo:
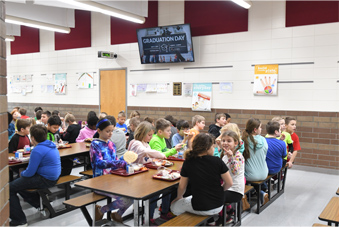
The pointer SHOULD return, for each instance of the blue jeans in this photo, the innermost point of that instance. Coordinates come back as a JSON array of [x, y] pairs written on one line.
[[19, 186], [166, 203]]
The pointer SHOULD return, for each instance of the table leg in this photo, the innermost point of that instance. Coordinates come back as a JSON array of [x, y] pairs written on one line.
[[146, 211], [136, 213]]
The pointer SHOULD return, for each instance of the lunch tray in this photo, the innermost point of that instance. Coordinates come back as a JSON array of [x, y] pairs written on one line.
[[172, 158], [151, 165], [11, 162], [66, 146], [122, 172], [165, 179]]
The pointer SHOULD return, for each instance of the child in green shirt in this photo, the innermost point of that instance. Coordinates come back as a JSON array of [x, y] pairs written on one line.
[[163, 128]]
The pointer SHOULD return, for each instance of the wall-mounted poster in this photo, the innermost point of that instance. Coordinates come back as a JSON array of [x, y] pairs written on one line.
[[202, 95], [265, 80], [225, 87], [60, 83], [85, 80]]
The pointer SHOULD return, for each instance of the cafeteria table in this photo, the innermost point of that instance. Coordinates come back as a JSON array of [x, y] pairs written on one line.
[[331, 212], [139, 187]]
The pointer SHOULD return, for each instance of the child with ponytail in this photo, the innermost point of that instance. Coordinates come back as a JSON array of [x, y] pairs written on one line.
[[255, 153]]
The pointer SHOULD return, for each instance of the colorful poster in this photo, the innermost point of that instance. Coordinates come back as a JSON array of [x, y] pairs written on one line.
[[225, 87], [60, 83], [202, 95], [85, 80], [265, 80]]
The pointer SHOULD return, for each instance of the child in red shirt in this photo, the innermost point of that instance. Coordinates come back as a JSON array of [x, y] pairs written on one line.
[[291, 126]]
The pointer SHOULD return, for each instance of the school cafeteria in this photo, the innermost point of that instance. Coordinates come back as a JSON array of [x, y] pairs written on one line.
[[169, 113]]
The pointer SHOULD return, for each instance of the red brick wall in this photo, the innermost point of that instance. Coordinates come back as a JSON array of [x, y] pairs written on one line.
[[318, 131], [4, 186]]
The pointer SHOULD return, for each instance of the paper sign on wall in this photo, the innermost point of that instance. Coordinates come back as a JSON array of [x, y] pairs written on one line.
[[85, 80], [202, 95], [265, 80], [60, 83], [225, 87]]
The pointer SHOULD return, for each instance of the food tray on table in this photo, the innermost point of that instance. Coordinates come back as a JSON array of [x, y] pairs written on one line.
[[13, 161], [63, 146], [173, 158], [123, 172], [173, 175], [158, 163]]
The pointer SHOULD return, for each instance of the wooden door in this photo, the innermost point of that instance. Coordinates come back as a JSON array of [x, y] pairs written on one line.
[[113, 91]]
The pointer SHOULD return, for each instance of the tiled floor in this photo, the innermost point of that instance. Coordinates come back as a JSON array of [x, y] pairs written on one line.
[[306, 195]]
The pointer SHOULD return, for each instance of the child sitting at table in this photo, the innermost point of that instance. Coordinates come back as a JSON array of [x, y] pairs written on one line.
[[121, 122], [42, 172], [204, 172], [118, 138], [285, 136], [220, 121], [53, 125], [143, 134], [183, 129], [20, 139], [45, 116], [230, 143], [255, 155], [231, 127], [104, 159], [163, 130], [198, 122], [134, 113], [291, 126], [89, 130], [72, 130], [133, 124]]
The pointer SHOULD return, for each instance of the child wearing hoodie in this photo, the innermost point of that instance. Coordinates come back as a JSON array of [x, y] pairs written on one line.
[[43, 171], [255, 153]]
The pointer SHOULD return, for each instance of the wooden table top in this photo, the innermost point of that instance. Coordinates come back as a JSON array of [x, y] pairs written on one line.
[[77, 148], [331, 211], [139, 186]]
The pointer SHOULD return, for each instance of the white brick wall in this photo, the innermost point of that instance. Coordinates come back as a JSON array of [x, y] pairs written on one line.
[[267, 41]]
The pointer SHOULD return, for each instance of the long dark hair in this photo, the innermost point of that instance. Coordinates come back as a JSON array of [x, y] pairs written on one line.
[[251, 124], [201, 143]]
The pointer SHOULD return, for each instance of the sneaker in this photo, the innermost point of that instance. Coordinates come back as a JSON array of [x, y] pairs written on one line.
[[228, 220], [167, 216], [76, 161], [98, 213], [152, 222]]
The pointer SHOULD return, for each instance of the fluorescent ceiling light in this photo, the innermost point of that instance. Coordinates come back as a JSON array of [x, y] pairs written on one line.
[[36, 24], [97, 7], [9, 38], [243, 3]]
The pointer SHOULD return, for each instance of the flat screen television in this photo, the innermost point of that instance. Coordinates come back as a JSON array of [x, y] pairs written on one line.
[[165, 44]]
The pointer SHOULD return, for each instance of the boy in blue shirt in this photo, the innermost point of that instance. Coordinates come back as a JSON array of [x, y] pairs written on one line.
[[43, 171], [276, 148], [121, 122], [182, 127]]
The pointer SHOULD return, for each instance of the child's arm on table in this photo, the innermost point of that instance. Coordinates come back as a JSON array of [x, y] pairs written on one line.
[[181, 188]]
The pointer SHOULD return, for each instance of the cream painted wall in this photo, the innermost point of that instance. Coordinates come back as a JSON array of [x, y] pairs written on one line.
[[267, 41]]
